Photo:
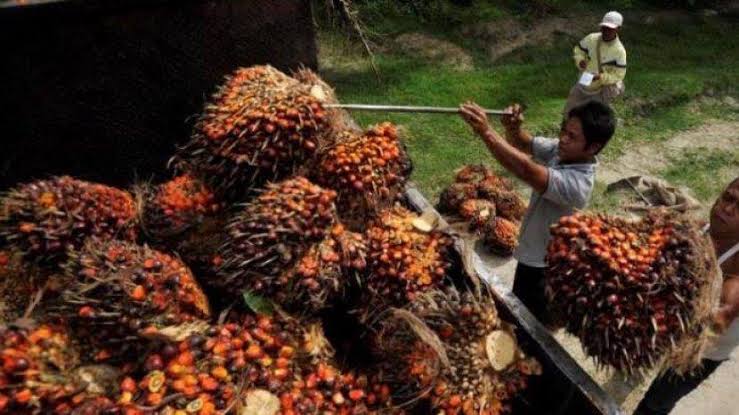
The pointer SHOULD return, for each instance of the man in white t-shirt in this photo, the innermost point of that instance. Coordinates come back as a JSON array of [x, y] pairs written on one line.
[[668, 389]]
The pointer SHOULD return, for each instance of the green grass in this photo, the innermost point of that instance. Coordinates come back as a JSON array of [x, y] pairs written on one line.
[[701, 171], [669, 66]]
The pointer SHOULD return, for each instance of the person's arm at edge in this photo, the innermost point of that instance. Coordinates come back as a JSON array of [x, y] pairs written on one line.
[[514, 160], [729, 309]]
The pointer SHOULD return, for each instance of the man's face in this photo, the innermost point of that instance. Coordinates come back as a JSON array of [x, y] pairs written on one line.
[[725, 213], [572, 144], [608, 33]]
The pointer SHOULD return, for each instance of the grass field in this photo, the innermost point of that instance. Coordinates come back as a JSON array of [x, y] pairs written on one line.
[[672, 68]]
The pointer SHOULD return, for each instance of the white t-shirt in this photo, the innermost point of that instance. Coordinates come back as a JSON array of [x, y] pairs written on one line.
[[569, 188]]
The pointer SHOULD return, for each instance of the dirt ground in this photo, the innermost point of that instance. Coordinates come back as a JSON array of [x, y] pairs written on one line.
[[650, 158]]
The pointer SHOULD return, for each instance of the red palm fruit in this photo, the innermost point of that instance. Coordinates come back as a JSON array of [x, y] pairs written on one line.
[[368, 171], [473, 208], [324, 272], [260, 125], [404, 261], [272, 233], [631, 289], [39, 374], [174, 207], [43, 219], [500, 235], [453, 196], [508, 203], [119, 289]]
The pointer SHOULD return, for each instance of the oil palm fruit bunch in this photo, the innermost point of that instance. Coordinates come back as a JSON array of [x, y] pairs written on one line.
[[500, 235], [477, 211], [44, 218], [120, 289], [204, 373], [258, 126], [632, 291], [404, 260], [459, 350], [174, 207], [368, 171], [452, 197], [272, 233], [37, 372], [508, 203], [322, 275]]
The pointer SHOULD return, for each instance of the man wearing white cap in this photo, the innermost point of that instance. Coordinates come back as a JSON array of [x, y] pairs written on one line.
[[601, 59]]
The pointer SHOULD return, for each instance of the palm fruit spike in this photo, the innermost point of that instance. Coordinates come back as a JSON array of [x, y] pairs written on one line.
[[500, 235], [453, 196], [259, 126], [404, 261], [272, 233], [632, 291], [508, 203], [171, 208], [368, 171], [459, 350], [121, 289], [204, 373], [44, 218], [36, 372], [322, 274]]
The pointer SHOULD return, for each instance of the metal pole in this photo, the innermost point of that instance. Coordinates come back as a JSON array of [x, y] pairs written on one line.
[[407, 108]]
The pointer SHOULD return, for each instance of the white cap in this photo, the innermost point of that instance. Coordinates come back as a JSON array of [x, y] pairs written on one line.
[[614, 20]]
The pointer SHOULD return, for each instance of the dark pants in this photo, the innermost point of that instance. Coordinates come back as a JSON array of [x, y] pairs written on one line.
[[528, 286], [669, 388]]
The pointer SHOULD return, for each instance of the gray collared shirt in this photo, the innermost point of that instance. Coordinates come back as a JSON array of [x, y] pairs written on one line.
[[569, 188]]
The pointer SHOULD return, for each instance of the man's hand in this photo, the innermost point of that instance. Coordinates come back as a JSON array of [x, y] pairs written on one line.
[[512, 122], [596, 77], [475, 116], [583, 65]]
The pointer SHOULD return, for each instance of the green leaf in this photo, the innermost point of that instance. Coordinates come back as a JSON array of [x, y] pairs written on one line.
[[258, 304]]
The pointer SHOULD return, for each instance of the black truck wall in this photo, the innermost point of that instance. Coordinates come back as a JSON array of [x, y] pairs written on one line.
[[104, 90]]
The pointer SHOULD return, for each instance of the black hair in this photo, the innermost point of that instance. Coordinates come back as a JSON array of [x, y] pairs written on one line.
[[598, 122]]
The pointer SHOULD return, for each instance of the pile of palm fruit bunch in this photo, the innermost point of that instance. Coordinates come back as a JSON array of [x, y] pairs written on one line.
[[367, 170], [208, 292], [489, 203], [637, 293], [260, 125], [452, 348]]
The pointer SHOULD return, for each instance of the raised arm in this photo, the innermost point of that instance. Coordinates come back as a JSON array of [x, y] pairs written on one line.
[[514, 160], [514, 131]]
